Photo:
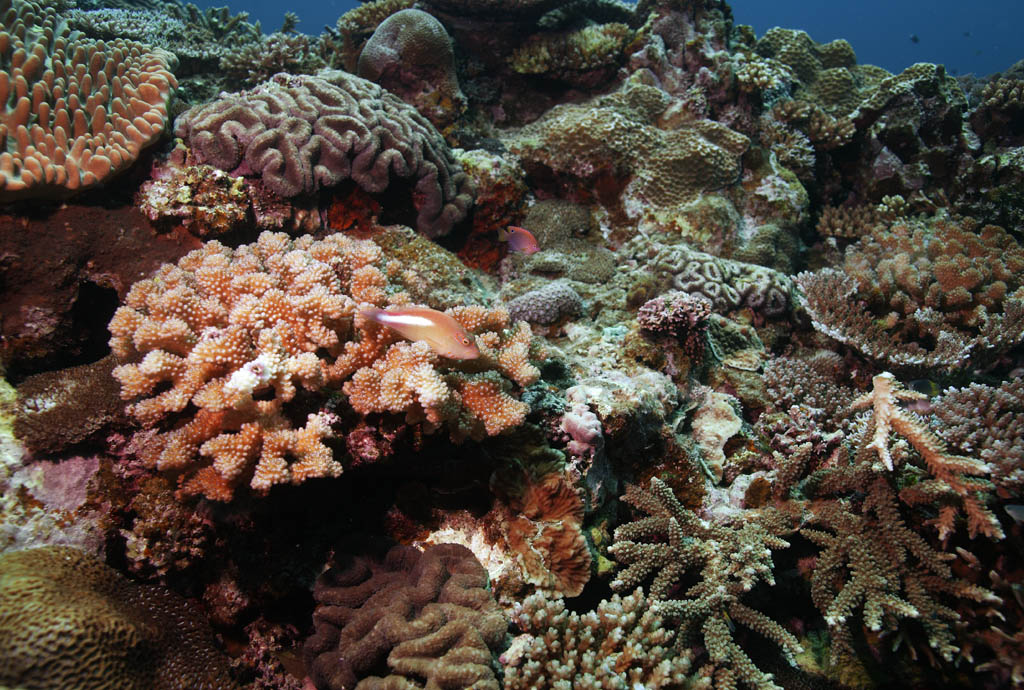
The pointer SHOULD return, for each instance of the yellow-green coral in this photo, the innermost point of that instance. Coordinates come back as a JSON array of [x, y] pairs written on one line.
[[585, 49]]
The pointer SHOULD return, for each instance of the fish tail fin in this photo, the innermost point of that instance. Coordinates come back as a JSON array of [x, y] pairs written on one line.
[[503, 235], [370, 314]]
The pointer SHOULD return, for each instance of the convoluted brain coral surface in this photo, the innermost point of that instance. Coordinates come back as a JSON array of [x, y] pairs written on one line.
[[302, 133]]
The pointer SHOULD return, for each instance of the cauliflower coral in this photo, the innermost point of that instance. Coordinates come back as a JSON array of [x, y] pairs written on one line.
[[228, 348]]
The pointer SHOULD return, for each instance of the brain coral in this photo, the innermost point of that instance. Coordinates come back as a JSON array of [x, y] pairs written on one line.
[[75, 111], [410, 54], [69, 621], [416, 616], [301, 133]]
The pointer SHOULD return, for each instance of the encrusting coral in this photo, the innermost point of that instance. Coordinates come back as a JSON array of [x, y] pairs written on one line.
[[302, 133], [426, 619], [236, 334], [75, 111], [671, 540], [69, 621]]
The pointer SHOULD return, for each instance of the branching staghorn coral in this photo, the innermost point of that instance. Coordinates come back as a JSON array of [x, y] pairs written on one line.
[[988, 421], [623, 643], [873, 558], [673, 540], [236, 334]]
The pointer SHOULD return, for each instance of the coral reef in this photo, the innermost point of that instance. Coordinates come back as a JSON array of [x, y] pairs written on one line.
[[301, 133], [764, 363], [71, 621], [78, 111], [418, 615]]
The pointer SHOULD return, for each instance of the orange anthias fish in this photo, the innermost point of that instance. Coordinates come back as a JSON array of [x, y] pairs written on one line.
[[445, 336], [519, 239]]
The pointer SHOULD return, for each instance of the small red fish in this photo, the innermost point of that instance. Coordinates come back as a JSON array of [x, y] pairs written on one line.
[[445, 336], [519, 239]]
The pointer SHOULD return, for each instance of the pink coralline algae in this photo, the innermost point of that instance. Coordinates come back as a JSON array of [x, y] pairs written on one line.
[[677, 316], [302, 133]]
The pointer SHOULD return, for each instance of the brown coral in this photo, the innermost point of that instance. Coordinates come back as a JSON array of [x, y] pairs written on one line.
[[670, 540], [76, 111], [71, 622], [923, 294], [427, 618]]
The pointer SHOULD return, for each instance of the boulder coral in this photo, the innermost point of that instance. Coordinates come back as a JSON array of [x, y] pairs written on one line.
[[303, 133], [75, 111], [72, 622], [411, 55]]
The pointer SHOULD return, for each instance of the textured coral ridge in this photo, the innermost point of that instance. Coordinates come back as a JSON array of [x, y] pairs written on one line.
[[426, 618], [75, 111], [301, 133], [69, 621], [231, 336]]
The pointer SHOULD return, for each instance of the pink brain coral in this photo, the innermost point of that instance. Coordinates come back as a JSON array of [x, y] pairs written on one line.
[[302, 133], [75, 111]]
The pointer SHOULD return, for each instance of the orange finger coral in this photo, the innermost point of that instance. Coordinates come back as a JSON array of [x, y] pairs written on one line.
[[236, 335], [75, 111]]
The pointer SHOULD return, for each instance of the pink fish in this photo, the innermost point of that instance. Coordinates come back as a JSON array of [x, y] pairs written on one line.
[[442, 333], [519, 239]]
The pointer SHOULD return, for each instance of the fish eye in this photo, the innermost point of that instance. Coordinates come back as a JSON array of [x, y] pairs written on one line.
[[465, 340]]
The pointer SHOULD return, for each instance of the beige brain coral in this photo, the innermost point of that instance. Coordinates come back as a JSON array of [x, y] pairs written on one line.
[[69, 621], [75, 111]]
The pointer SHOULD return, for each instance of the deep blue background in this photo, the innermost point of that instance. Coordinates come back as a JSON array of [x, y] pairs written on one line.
[[982, 36]]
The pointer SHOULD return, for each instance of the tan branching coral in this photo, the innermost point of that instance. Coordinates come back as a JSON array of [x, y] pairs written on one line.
[[952, 483], [403, 378], [873, 559], [623, 643], [672, 540], [923, 294], [236, 334], [75, 111]]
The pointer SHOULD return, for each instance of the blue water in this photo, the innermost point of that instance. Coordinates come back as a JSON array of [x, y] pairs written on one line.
[[981, 36]]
